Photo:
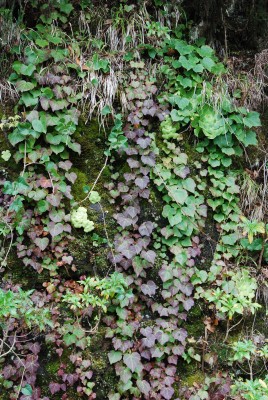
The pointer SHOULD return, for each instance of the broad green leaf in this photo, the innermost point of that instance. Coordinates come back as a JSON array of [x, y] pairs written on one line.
[[178, 195], [42, 42], [28, 99], [114, 356], [23, 69], [27, 390], [39, 125], [252, 119], [24, 86]]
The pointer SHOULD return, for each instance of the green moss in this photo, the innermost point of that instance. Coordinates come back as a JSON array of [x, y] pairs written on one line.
[[78, 187], [23, 275], [195, 377], [195, 326], [52, 367], [103, 372]]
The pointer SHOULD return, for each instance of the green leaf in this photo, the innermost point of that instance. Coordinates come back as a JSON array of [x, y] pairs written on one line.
[[94, 197], [57, 148], [24, 86], [42, 206], [27, 390], [37, 194], [189, 185], [208, 63], [252, 119], [205, 51], [114, 356], [15, 137], [179, 195], [106, 110], [28, 99], [75, 147], [54, 39], [69, 339], [230, 239], [54, 139], [17, 204], [66, 8], [39, 125], [6, 155], [175, 219], [78, 332], [42, 42], [250, 139], [23, 69]]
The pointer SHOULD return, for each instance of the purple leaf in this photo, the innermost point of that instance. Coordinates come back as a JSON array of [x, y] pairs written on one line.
[[165, 274], [148, 341], [132, 211], [44, 103], [55, 229], [129, 177], [149, 288], [130, 151], [173, 360], [171, 371], [144, 143], [144, 387], [54, 387], [145, 170], [56, 215], [143, 242], [133, 163], [9, 371], [146, 331], [149, 256], [71, 176], [162, 337], [67, 259], [129, 252], [133, 361], [156, 353], [167, 392], [180, 334], [142, 182], [66, 165], [168, 381], [148, 160], [146, 228], [35, 348], [42, 243], [54, 199], [124, 221], [188, 304], [178, 350], [145, 193], [31, 364]]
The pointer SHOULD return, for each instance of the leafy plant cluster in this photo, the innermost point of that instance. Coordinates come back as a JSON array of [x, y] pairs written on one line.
[[145, 302], [23, 316], [43, 139]]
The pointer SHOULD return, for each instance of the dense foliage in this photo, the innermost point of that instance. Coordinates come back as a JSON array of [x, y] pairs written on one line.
[[176, 308]]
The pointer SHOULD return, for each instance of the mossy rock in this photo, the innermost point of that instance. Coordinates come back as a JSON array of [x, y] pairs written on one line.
[[103, 373], [194, 377]]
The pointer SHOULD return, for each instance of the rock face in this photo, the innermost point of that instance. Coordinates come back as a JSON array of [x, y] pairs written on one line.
[[242, 23]]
